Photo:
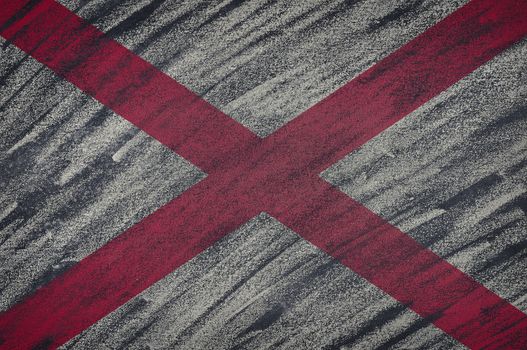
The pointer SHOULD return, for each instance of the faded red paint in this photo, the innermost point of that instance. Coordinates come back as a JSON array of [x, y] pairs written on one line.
[[278, 174]]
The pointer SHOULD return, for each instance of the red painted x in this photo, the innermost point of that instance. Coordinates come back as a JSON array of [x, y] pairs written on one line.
[[278, 174]]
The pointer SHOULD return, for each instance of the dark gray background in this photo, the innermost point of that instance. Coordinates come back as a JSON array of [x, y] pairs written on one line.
[[452, 174]]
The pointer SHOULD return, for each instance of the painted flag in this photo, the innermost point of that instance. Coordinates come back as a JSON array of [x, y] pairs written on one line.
[[263, 174]]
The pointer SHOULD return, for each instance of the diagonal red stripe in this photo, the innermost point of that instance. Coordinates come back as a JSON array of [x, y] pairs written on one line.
[[124, 267], [124, 82], [278, 172], [402, 82], [401, 267]]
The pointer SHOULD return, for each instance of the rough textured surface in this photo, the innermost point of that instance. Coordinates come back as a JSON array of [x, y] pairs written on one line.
[[74, 175], [452, 175], [263, 62], [262, 287]]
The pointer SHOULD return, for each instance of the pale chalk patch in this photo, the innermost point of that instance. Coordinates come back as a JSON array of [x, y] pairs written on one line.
[[8, 210], [422, 219], [474, 217], [466, 259], [130, 144]]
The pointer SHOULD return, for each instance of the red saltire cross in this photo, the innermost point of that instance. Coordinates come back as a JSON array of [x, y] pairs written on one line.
[[278, 174]]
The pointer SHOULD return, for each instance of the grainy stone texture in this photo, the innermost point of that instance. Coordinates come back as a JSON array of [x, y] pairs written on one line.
[[261, 287], [73, 174], [263, 62], [452, 175]]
